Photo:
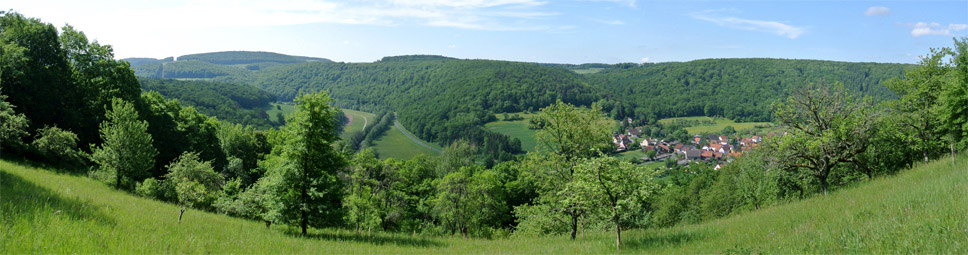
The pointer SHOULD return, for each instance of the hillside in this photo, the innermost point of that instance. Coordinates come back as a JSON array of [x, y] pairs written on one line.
[[248, 57], [738, 89], [235, 103], [920, 210]]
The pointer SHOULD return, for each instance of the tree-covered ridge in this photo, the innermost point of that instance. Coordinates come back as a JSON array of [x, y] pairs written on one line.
[[738, 89], [186, 69], [235, 103], [144, 61], [438, 99], [248, 57]]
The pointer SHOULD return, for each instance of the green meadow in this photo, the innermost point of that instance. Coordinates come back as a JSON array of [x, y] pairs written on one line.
[[394, 144], [920, 210], [720, 123], [515, 129]]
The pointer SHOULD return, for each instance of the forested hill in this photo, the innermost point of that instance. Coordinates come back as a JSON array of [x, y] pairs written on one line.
[[438, 99], [738, 89], [248, 57], [235, 103]]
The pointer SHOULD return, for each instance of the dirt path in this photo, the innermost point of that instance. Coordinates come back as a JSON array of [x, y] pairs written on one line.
[[407, 133]]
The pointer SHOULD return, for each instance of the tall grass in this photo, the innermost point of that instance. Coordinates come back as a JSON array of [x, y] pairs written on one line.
[[922, 210]]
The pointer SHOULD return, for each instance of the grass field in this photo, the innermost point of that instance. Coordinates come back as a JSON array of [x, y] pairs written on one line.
[[394, 144], [917, 211], [359, 119], [515, 129], [588, 70], [715, 129]]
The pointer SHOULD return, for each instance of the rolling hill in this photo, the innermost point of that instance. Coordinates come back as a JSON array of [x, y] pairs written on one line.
[[920, 210]]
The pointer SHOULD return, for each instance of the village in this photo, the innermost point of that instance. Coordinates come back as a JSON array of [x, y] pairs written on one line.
[[718, 149]]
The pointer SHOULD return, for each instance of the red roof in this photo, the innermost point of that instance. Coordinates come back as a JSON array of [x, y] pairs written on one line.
[[707, 154]]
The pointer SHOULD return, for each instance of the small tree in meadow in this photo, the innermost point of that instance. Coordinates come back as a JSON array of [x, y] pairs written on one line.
[[126, 155], [195, 181]]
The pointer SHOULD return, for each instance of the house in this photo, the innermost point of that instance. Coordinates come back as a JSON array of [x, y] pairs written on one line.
[[718, 155], [622, 141], [757, 139], [647, 142], [678, 147], [696, 139], [715, 147], [634, 132], [648, 148], [706, 155], [663, 148], [734, 154], [718, 166], [723, 140], [746, 141], [693, 154], [726, 149]]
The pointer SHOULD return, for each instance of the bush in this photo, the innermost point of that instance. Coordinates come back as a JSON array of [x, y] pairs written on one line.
[[57, 145], [150, 188]]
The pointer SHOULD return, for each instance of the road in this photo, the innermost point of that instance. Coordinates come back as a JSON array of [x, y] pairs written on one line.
[[407, 133]]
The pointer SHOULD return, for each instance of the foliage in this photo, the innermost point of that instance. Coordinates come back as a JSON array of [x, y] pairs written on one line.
[[954, 96], [58, 145], [13, 126], [827, 128], [617, 189], [247, 57], [126, 155], [306, 164], [469, 200], [195, 182], [235, 103], [738, 89], [917, 109]]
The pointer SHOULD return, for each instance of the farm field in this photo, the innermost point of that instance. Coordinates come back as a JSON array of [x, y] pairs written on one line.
[[46, 212], [720, 124], [394, 144], [355, 125], [515, 129]]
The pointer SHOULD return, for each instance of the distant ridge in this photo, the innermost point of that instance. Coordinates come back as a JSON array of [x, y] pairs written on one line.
[[248, 57]]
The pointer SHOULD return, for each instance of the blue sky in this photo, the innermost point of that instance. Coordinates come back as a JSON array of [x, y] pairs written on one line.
[[549, 31]]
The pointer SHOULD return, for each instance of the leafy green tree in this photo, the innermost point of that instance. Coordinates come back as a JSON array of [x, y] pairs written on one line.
[[620, 189], [650, 154], [361, 198], [459, 154], [126, 154], [306, 164], [57, 145], [728, 130], [755, 184], [918, 108], [954, 98], [568, 134], [13, 125], [469, 199], [196, 182], [827, 128]]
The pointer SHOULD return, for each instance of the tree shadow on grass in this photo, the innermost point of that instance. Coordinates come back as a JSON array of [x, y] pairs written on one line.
[[376, 239], [656, 241], [21, 200]]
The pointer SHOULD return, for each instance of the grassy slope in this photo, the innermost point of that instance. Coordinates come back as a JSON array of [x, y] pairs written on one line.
[[394, 144], [920, 210], [515, 129], [357, 123], [720, 124]]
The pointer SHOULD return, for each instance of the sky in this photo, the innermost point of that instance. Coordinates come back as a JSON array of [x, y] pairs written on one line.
[[546, 31]]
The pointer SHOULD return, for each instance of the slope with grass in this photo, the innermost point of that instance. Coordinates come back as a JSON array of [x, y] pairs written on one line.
[[921, 210], [720, 123], [515, 129]]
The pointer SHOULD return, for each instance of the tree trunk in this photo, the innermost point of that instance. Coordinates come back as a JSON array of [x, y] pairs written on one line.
[[305, 222], [574, 224], [952, 152], [618, 230], [180, 213], [268, 223], [117, 182], [823, 184]]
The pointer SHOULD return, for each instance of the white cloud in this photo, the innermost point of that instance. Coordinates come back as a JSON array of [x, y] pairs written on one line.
[[934, 28], [773, 27], [452, 46], [189, 14], [877, 11], [645, 60]]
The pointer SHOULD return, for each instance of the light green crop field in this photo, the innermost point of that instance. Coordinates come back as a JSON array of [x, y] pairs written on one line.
[[921, 210], [273, 108], [358, 120], [394, 144], [588, 70], [515, 129], [720, 124]]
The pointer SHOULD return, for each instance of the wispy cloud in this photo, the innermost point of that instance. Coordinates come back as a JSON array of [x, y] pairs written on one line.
[[629, 3], [877, 11], [465, 14], [934, 28], [773, 27], [609, 22]]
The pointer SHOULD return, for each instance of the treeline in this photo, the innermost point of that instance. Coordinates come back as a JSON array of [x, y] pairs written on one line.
[[235, 103], [364, 138], [186, 69], [247, 57]]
